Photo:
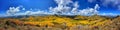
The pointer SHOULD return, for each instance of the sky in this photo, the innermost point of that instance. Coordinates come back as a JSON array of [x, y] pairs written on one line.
[[61, 7]]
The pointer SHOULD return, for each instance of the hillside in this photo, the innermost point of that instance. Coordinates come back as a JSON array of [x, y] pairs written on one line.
[[55, 22]]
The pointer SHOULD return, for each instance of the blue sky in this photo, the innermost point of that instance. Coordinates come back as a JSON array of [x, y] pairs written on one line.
[[107, 7]]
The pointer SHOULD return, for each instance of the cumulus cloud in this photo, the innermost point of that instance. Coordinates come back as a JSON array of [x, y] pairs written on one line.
[[96, 6], [13, 10], [62, 8], [75, 9], [90, 11]]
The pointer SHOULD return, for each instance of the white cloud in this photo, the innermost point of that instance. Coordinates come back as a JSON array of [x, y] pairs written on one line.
[[75, 9], [37, 12], [13, 10], [96, 6], [61, 9], [63, 2], [108, 14], [23, 8], [90, 11], [28, 12], [33, 13]]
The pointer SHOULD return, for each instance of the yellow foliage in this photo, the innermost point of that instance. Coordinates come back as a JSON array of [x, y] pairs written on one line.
[[31, 23], [84, 22], [70, 24], [59, 20], [44, 21], [31, 18], [48, 23]]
